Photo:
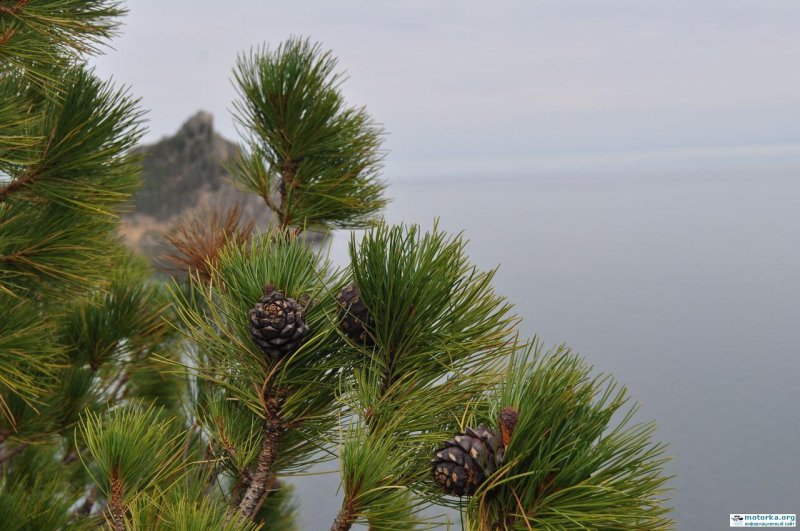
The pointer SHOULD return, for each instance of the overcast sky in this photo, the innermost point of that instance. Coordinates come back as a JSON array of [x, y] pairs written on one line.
[[507, 87]]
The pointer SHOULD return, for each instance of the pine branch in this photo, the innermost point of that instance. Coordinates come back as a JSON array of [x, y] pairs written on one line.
[[29, 359], [48, 35], [199, 236], [287, 186], [372, 480], [116, 507], [243, 481], [13, 9], [572, 457], [135, 451], [16, 184], [324, 155], [346, 516], [233, 368], [260, 477], [85, 162]]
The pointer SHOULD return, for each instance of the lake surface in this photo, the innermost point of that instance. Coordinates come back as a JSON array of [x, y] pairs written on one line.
[[686, 289]]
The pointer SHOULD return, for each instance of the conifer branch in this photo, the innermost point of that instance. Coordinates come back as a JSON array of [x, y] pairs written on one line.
[[115, 506], [346, 516], [260, 477], [16, 184], [300, 131], [199, 236], [240, 487], [287, 186], [14, 9]]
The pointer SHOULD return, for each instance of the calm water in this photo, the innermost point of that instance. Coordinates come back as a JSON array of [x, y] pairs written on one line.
[[687, 289]]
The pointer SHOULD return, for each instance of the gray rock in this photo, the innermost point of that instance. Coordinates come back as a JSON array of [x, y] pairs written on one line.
[[182, 172]]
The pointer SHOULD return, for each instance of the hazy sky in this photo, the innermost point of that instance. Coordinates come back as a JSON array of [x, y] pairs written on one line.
[[481, 88]]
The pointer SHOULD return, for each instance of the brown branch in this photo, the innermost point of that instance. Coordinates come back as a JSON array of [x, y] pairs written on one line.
[[272, 486], [259, 480], [115, 505], [288, 182], [240, 487], [346, 517], [15, 9], [271, 204], [199, 236], [244, 477], [24, 180]]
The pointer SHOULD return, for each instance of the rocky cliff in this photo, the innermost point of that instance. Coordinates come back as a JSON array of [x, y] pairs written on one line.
[[179, 173]]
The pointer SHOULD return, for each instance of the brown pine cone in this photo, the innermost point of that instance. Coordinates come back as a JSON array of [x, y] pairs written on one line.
[[508, 421], [277, 324], [464, 463], [354, 318]]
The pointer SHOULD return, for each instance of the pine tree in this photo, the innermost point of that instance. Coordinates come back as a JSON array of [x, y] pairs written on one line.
[[80, 316], [131, 403]]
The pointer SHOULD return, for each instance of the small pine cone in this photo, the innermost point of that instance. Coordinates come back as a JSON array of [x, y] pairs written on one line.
[[353, 315], [464, 463], [277, 324], [508, 421]]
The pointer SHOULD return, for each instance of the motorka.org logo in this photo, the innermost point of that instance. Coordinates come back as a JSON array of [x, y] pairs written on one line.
[[763, 520]]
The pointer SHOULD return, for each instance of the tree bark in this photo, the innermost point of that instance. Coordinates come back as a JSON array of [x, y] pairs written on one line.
[[259, 479], [240, 487], [346, 517], [115, 506]]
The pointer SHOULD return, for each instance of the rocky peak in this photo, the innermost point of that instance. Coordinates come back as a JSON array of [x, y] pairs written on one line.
[[200, 126], [178, 170], [181, 172]]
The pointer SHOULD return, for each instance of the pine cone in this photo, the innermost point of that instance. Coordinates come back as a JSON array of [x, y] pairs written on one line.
[[464, 463], [508, 421], [353, 315], [277, 324]]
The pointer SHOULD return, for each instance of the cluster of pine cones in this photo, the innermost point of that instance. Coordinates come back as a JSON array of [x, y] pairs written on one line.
[[278, 326], [278, 323]]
